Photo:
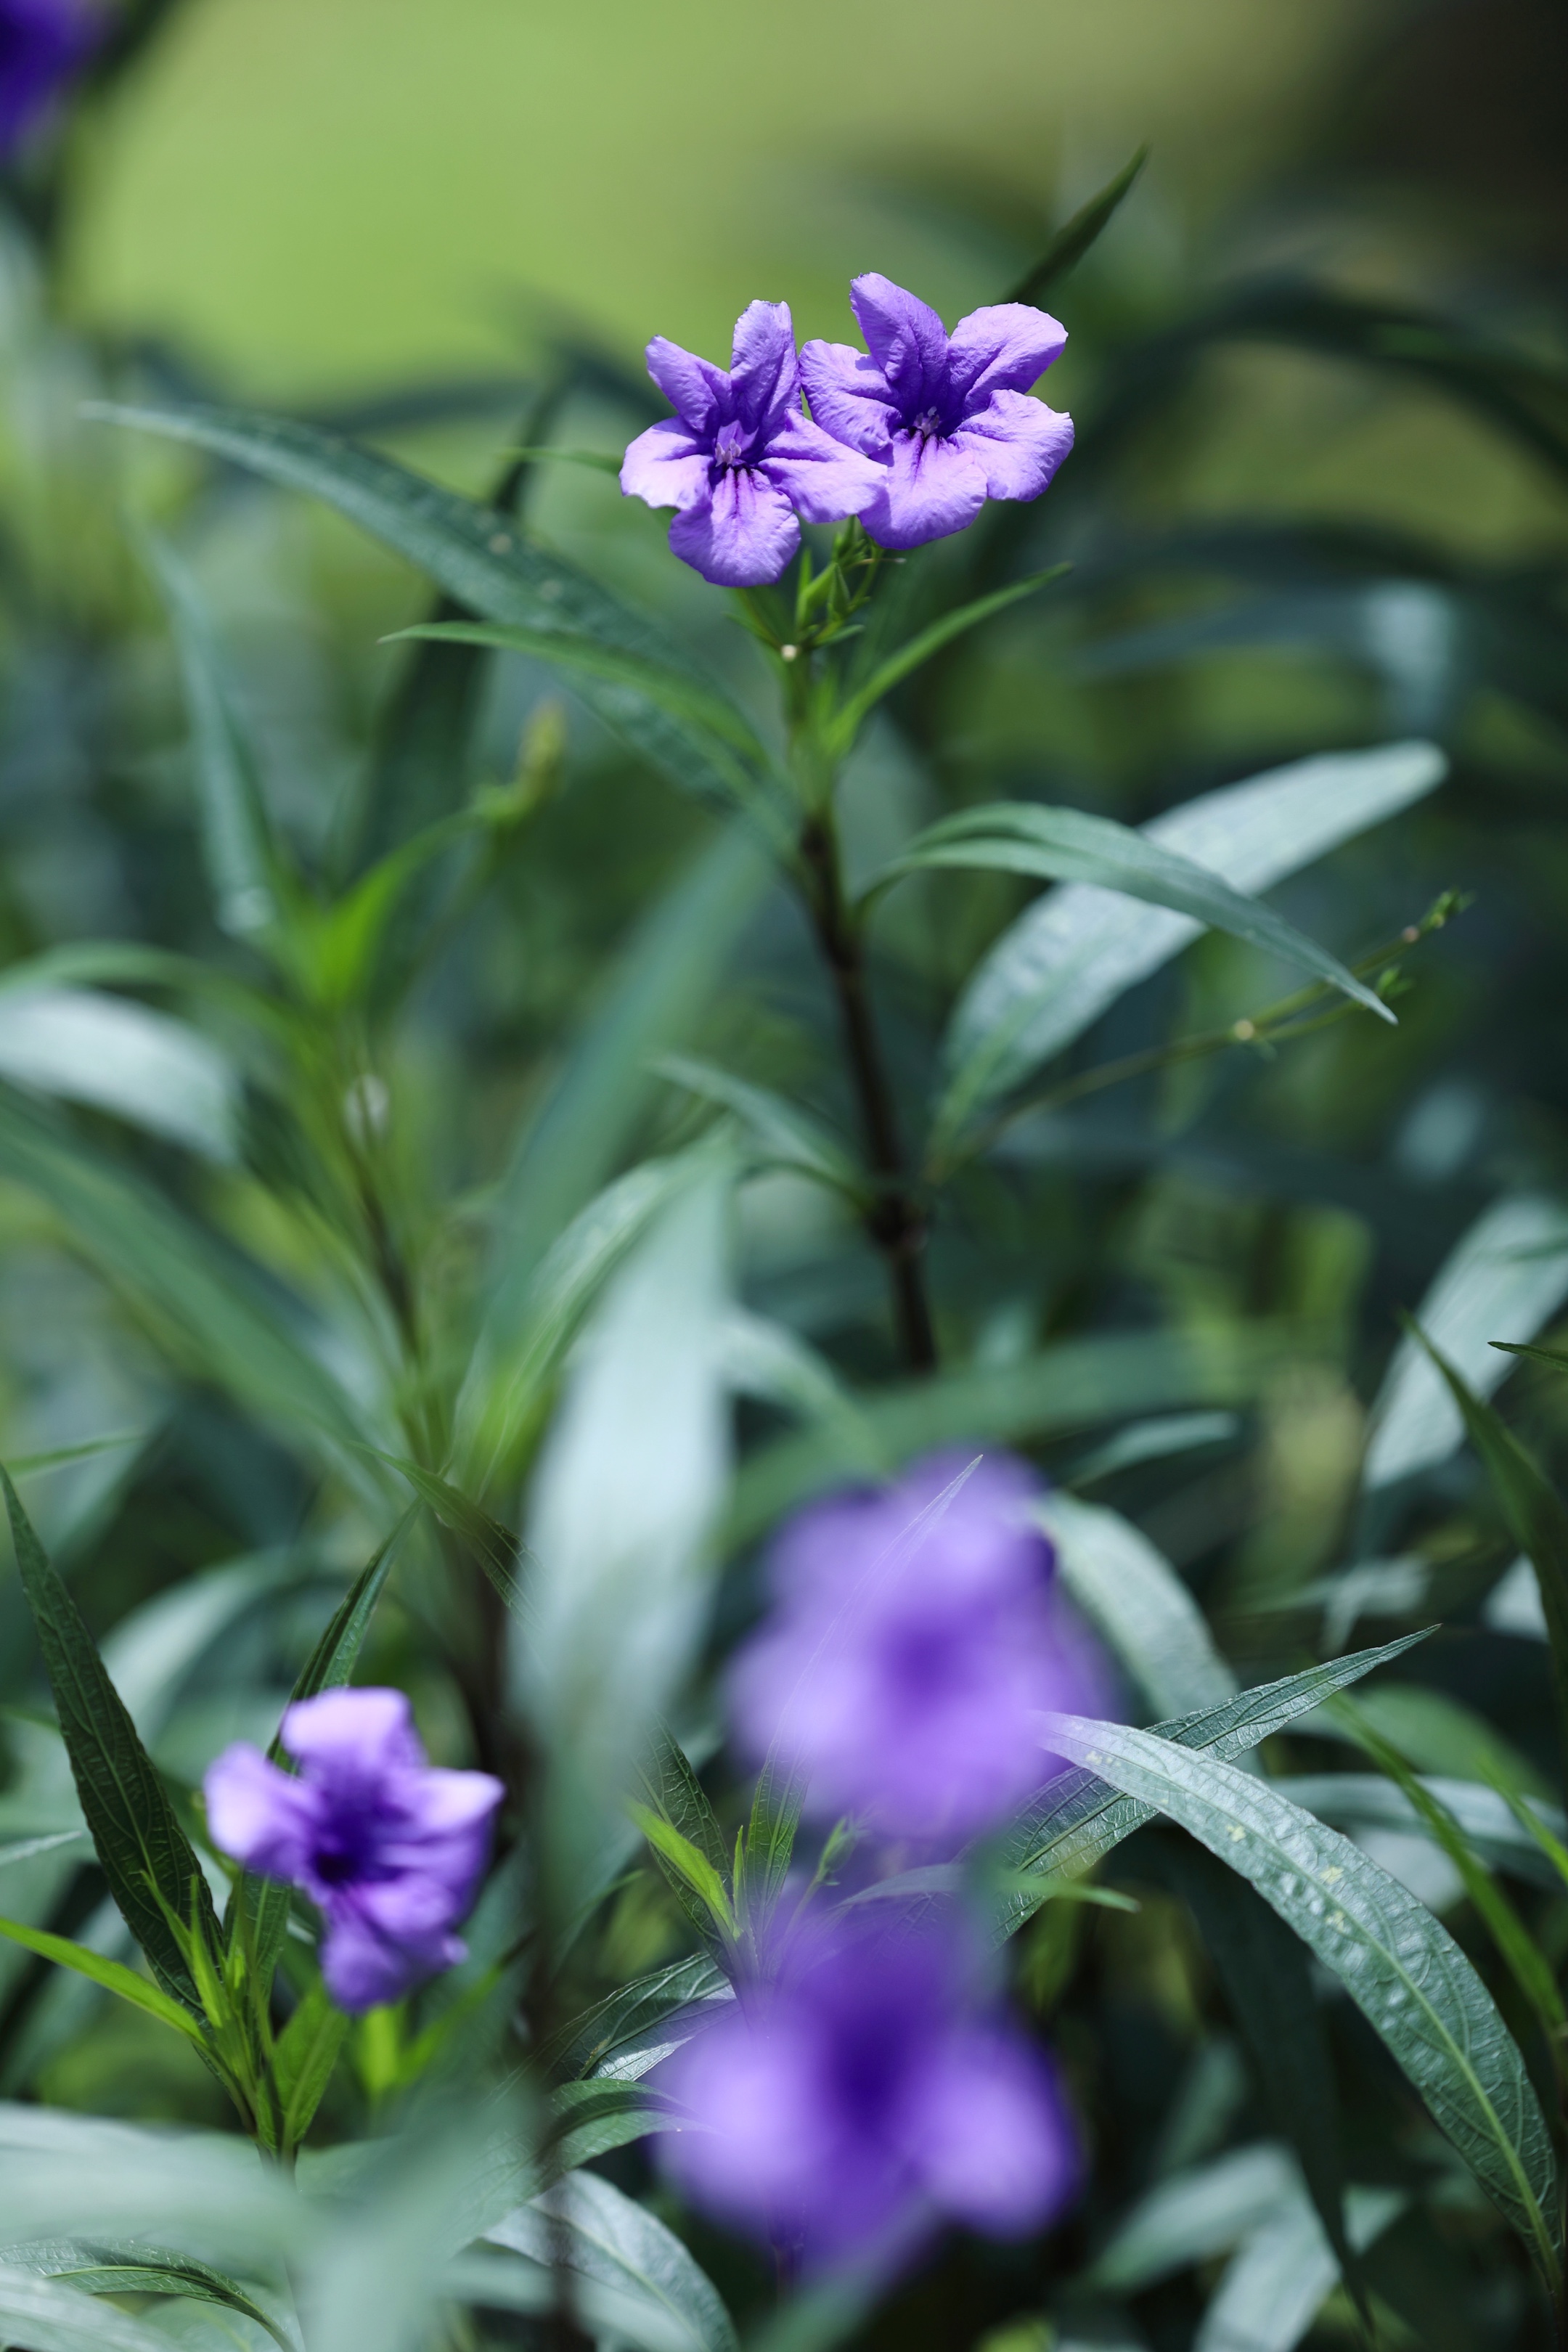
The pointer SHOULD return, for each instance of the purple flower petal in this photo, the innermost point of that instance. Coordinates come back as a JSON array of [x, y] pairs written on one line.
[[357, 1735], [1004, 348], [764, 374], [262, 1816], [694, 387], [1017, 442], [822, 480], [666, 465], [849, 397], [742, 536], [932, 489], [388, 1850], [43, 43], [905, 338], [998, 2150]]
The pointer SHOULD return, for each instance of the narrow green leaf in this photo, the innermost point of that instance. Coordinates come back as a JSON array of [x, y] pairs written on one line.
[[243, 864], [1553, 1356], [620, 2037], [853, 713], [139, 2269], [594, 2229], [475, 554], [683, 1831], [1284, 2271], [1073, 240], [1535, 1513], [1526, 1963], [1140, 1605], [771, 1832], [83, 1044], [781, 1126], [1067, 844], [49, 2317], [148, 1860], [674, 690], [498, 1552], [303, 2061], [112, 1974], [1400, 1966], [1077, 1819], [601, 462]]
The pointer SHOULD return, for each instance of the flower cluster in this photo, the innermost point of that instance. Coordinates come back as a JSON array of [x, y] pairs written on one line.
[[912, 434], [389, 1851], [42, 45], [872, 2088]]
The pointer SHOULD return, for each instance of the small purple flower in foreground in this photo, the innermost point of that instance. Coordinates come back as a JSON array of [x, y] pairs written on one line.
[[388, 1850], [851, 2109], [43, 43], [914, 1635], [740, 459], [949, 417]]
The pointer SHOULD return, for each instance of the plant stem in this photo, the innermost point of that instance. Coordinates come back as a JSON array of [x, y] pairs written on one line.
[[897, 1222]]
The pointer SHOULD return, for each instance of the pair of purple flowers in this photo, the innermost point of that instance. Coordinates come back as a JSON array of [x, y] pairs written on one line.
[[912, 434], [873, 2088], [43, 43], [869, 2087]]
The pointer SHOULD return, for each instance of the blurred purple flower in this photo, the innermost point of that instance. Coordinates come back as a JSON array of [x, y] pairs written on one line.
[[739, 459], [850, 2109], [43, 43], [914, 1634], [948, 417], [388, 1850]]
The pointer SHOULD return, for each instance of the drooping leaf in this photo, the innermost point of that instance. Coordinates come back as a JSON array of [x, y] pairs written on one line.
[[148, 1860], [1195, 2214], [49, 2318], [476, 555], [112, 1974], [1074, 238], [781, 1126], [1076, 949], [129, 2268], [1490, 1818], [495, 1549], [1069, 844], [1140, 1605], [585, 2225], [1399, 1964], [1077, 1819], [1509, 1272], [244, 868], [121, 1056]]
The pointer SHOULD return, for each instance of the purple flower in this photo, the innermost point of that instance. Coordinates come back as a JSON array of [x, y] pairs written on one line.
[[915, 1633], [739, 459], [869, 2097], [388, 1850], [43, 43], [948, 417]]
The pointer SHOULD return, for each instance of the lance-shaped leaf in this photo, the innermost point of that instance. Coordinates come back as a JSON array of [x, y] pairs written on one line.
[[1535, 1512], [112, 1974], [1277, 2283], [1399, 1964], [84, 1046], [692, 1854], [49, 2318], [615, 2037], [1139, 1604], [853, 713], [1069, 844], [304, 2061], [1508, 1273], [478, 556], [1075, 237], [1076, 949], [148, 1860], [592, 2228], [130, 2268], [1079, 1819]]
